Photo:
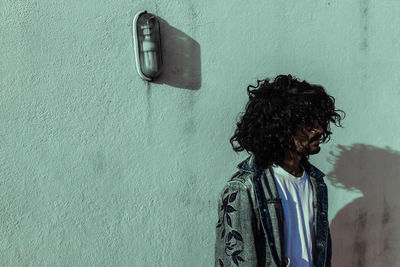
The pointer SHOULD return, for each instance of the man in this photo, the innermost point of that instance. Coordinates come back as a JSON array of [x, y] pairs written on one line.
[[274, 210]]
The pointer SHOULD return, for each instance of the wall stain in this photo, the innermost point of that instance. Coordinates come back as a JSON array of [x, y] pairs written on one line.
[[364, 10], [360, 246], [148, 97], [386, 214], [386, 219], [194, 17], [149, 115], [156, 6], [99, 162], [190, 124], [361, 221]]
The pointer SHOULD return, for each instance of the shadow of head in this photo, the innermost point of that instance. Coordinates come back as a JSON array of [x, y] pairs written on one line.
[[365, 167], [181, 59]]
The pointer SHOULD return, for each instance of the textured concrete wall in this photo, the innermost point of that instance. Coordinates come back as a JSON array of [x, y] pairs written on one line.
[[99, 168]]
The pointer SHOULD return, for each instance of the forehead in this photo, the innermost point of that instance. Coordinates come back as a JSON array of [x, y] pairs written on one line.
[[308, 124], [307, 129]]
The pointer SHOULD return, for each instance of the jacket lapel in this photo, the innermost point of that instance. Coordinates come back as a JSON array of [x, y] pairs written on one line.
[[275, 210], [270, 207]]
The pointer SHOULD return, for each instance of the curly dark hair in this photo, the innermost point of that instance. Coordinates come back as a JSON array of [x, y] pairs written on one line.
[[276, 111]]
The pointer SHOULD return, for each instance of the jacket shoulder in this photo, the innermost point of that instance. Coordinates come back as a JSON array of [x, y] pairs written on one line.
[[241, 179]]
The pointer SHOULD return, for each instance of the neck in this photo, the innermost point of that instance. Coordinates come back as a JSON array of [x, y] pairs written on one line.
[[291, 164]]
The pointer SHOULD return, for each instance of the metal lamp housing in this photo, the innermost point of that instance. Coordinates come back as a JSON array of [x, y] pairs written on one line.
[[147, 44]]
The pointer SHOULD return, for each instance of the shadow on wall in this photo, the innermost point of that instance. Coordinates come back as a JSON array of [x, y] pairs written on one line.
[[181, 59], [366, 232]]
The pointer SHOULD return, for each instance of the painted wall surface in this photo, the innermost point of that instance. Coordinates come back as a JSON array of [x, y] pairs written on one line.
[[99, 168]]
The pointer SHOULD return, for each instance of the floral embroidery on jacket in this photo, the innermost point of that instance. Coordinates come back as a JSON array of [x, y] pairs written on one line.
[[231, 236]]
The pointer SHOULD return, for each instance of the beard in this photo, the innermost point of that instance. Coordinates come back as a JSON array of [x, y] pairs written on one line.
[[313, 150], [310, 147]]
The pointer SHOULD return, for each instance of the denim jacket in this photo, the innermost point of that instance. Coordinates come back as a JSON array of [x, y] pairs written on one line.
[[250, 227]]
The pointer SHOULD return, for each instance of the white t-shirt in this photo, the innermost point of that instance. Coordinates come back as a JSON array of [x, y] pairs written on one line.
[[296, 195]]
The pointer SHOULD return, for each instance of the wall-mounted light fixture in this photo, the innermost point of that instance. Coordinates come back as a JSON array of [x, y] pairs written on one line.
[[147, 42]]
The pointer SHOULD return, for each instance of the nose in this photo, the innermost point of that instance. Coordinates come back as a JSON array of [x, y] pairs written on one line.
[[317, 128]]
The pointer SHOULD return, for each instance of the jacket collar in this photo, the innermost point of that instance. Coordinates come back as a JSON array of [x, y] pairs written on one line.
[[312, 170], [249, 165]]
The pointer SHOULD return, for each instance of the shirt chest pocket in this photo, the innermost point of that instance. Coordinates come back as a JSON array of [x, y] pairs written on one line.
[[275, 210]]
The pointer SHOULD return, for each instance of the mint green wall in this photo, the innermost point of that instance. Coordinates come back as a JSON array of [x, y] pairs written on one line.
[[99, 168]]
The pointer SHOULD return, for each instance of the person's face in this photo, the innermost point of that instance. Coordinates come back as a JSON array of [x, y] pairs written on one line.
[[307, 139]]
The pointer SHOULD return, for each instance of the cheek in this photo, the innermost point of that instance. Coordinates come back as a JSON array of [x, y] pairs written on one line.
[[301, 144]]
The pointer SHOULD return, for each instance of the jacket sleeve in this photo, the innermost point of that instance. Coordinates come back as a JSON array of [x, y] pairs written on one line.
[[235, 243]]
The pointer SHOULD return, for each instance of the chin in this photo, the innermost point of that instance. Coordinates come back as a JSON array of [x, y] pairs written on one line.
[[313, 151]]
